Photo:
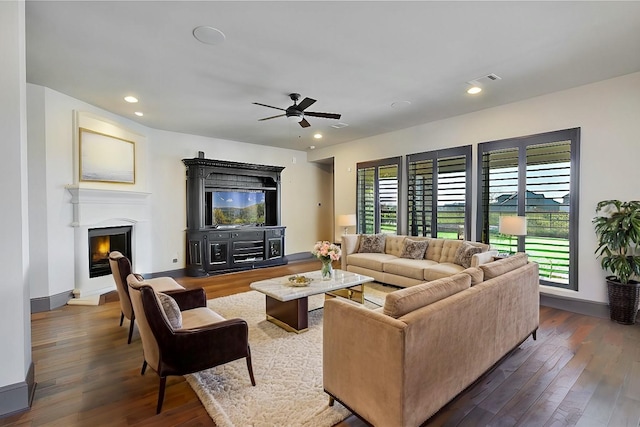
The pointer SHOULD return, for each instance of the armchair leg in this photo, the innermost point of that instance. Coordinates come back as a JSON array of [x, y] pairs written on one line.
[[331, 401], [121, 318], [163, 383], [535, 335], [250, 367], [144, 367], [130, 332]]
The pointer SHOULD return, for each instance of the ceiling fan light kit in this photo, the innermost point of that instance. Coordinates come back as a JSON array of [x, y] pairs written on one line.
[[297, 113]]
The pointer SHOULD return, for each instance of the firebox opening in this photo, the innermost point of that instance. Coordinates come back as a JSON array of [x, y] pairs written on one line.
[[102, 241]]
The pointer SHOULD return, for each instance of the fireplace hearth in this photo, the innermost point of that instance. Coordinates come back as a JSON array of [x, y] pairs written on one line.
[[103, 241]]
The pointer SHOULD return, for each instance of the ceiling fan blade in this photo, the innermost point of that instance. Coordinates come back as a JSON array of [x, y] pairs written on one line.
[[272, 117], [305, 103], [323, 115], [265, 105], [304, 123]]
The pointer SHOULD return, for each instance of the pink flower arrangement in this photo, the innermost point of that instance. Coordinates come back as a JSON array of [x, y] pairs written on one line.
[[326, 251]]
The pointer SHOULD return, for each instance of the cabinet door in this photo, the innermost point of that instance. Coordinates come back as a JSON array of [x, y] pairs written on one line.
[[275, 248], [217, 250]]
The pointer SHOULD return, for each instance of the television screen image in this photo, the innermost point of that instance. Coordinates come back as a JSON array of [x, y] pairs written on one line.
[[238, 207]]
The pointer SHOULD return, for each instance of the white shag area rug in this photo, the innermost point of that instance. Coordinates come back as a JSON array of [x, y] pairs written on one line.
[[287, 368]]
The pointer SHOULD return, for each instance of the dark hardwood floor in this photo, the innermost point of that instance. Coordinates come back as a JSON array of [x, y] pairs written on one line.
[[581, 371]]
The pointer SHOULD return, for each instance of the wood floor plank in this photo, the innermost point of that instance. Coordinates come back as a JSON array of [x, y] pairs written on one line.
[[581, 371]]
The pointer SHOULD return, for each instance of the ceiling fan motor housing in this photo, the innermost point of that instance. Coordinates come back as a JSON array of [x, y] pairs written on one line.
[[294, 112]]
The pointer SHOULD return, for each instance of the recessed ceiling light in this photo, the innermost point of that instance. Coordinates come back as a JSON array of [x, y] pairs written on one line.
[[131, 99], [208, 35], [473, 90], [139, 113], [317, 136], [312, 147]]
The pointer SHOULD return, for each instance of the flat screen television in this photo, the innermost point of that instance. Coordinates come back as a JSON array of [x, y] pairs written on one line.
[[237, 208]]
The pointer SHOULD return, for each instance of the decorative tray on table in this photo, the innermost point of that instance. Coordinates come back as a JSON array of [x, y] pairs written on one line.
[[299, 280]]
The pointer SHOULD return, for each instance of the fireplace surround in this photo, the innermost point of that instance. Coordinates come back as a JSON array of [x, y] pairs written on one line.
[[102, 210]]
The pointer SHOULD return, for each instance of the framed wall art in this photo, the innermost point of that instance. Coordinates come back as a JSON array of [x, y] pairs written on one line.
[[105, 158]]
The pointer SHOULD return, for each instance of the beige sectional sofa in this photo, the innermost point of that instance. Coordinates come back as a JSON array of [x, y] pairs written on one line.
[[398, 365], [388, 266]]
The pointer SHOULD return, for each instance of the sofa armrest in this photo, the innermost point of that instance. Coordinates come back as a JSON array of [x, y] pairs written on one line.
[[348, 246], [482, 258], [355, 339]]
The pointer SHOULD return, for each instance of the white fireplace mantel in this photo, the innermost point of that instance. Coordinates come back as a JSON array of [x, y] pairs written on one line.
[[97, 208], [94, 205]]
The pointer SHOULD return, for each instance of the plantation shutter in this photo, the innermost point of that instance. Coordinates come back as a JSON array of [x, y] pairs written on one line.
[[452, 195], [420, 197], [549, 174], [377, 196], [438, 193], [388, 197], [366, 204], [535, 177]]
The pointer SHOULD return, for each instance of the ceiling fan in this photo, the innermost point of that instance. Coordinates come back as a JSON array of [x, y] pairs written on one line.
[[296, 112]]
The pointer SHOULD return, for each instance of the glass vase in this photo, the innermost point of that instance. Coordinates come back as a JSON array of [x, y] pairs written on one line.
[[327, 269]]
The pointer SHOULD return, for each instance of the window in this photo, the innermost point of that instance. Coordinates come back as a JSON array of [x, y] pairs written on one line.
[[377, 196], [438, 196], [536, 177]]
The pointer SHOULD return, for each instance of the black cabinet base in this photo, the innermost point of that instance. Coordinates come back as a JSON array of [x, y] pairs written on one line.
[[212, 251]]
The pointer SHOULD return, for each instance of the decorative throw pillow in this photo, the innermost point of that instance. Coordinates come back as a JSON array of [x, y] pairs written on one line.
[[171, 310], [371, 243], [414, 249], [464, 254]]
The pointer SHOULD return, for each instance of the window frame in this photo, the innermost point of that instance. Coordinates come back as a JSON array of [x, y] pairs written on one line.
[[376, 164], [435, 156], [521, 143]]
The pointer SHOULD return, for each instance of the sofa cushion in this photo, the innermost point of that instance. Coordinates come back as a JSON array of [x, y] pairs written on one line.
[[505, 265], [434, 250], [199, 317], [464, 253], [372, 243], [399, 303], [440, 270], [370, 261], [393, 244], [414, 249], [413, 268], [170, 309]]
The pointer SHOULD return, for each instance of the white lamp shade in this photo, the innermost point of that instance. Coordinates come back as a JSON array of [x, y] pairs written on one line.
[[347, 220], [514, 225]]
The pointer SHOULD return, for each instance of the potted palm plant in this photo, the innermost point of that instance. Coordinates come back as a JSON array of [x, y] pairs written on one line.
[[617, 226]]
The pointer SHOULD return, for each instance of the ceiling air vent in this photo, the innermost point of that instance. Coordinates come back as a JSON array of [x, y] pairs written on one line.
[[339, 125], [489, 77]]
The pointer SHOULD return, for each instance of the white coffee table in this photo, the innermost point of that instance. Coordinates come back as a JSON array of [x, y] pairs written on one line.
[[288, 306]]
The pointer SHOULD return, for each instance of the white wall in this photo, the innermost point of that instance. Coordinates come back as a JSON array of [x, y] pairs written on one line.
[[51, 136], [607, 113], [15, 319], [303, 190], [306, 187]]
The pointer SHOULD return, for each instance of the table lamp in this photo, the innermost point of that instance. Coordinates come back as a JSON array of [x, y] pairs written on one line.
[[346, 221], [513, 226]]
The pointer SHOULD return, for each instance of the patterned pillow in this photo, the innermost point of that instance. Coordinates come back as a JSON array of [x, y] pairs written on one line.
[[464, 254], [414, 249], [372, 243], [171, 310]]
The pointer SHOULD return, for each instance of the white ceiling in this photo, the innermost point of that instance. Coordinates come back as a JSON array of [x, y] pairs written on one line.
[[354, 58]]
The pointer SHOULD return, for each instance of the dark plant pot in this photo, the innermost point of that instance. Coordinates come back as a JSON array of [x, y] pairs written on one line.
[[623, 300]]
